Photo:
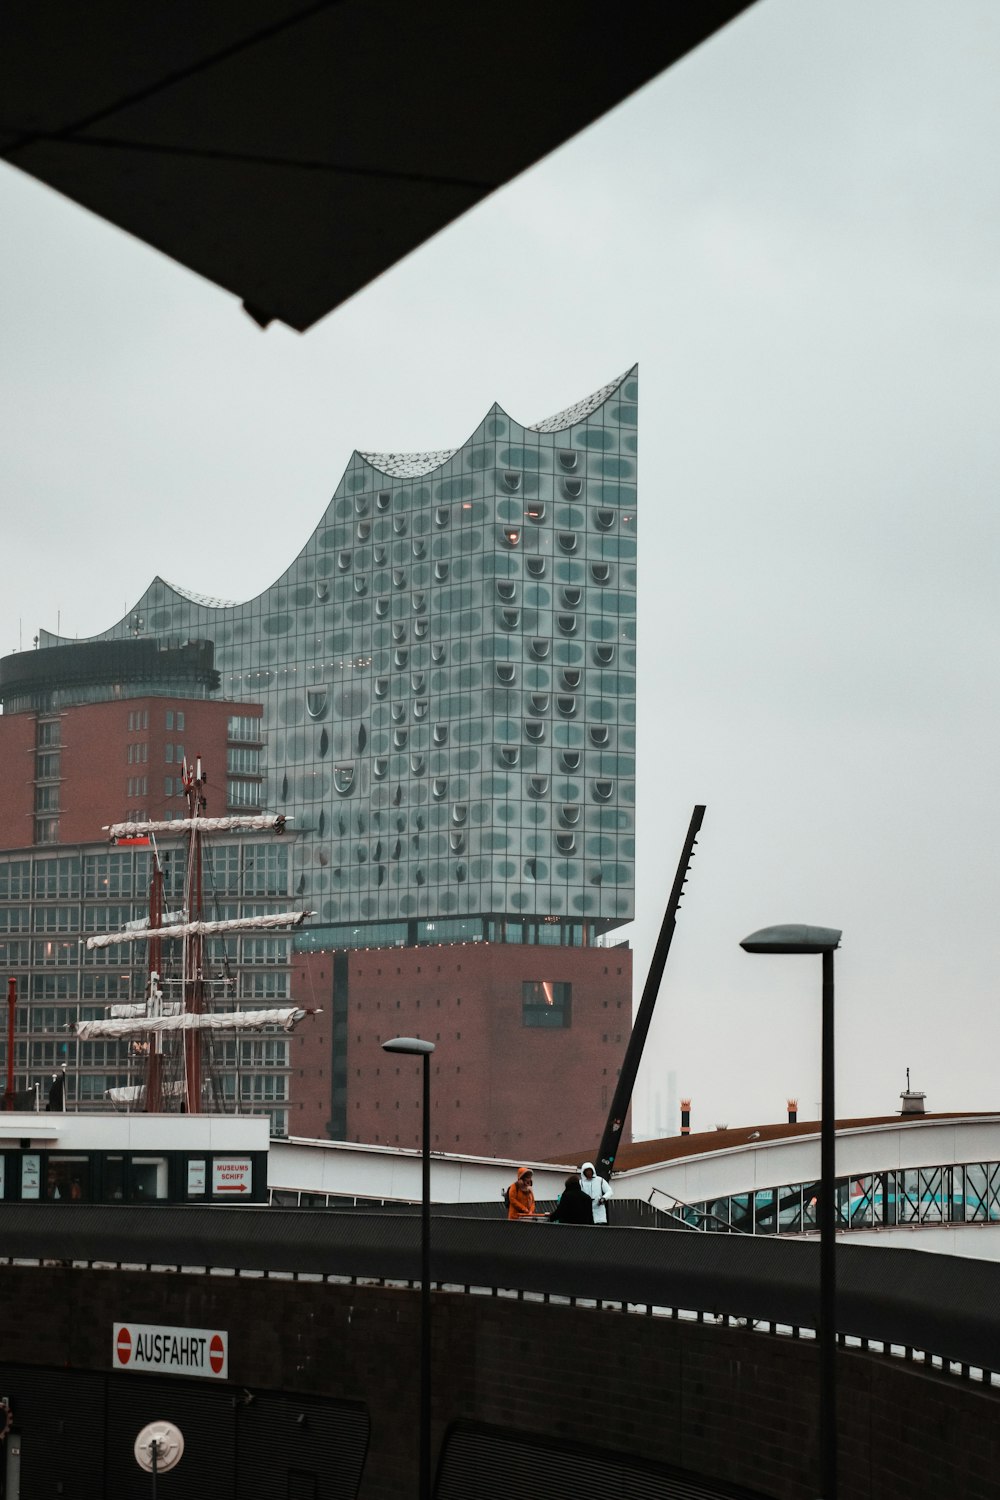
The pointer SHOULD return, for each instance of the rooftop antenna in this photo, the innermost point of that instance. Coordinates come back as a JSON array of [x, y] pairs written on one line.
[[611, 1139]]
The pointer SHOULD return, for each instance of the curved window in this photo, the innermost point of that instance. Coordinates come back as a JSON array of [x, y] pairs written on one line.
[[566, 705], [571, 677], [535, 511], [383, 499], [506, 589], [398, 577], [418, 765], [343, 779], [398, 712], [439, 652], [420, 706], [539, 703], [418, 547], [569, 760], [442, 515], [399, 525], [419, 603], [600, 572], [604, 790], [604, 520], [322, 591], [380, 767], [568, 460], [506, 672], [510, 536], [439, 788], [540, 649], [361, 585], [567, 541], [401, 657], [381, 686], [441, 571], [364, 530], [569, 815], [417, 680], [511, 480], [378, 552], [510, 619], [398, 631], [572, 487], [572, 597], [509, 755], [421, 627], [604, 655], [566, 843], [567, 624], [459, 812], [316, 702], [361, 505], [537, 786], [535, 566], [381, 607], [344, 561], [600, 734], [440, 734], [457, 841], [399, 738], [534, 730]]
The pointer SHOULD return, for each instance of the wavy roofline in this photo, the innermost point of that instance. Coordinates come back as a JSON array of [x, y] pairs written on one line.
[[568, 417], [417, 465]]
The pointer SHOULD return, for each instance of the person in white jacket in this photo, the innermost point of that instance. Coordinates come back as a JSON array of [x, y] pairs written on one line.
[[597, 1190]]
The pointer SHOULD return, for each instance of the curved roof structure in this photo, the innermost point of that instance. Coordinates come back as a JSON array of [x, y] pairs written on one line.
[[447, 671]]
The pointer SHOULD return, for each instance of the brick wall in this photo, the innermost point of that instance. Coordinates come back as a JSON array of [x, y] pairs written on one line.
[[499, 1088]]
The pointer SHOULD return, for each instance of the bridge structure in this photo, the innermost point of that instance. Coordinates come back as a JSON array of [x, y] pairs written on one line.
[[566, 1361]]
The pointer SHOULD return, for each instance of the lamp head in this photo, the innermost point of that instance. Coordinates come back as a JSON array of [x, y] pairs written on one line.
[[792, 938], [414, 1045]]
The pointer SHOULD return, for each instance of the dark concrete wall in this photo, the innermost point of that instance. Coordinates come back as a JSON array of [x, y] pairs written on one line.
[[725, 1403]]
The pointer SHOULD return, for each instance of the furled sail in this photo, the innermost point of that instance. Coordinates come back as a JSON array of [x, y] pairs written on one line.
[[236, 1020]]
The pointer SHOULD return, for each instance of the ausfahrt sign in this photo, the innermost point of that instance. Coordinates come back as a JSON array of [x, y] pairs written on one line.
[[170, 1351]]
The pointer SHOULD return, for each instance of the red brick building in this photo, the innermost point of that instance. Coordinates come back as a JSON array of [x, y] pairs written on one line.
[[70, 773], [529, 1040]]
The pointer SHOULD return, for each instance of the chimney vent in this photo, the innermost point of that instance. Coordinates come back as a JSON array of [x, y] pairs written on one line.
[[911, 1100], [793, 1111], [685, 1117]]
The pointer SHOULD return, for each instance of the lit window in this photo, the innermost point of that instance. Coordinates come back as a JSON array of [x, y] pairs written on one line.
[[545, 1002]]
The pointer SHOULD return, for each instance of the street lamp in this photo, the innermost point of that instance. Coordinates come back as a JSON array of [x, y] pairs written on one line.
[[798, 939], [413, 1046]]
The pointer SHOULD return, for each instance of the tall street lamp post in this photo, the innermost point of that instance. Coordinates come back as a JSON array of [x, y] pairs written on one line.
[[415, 1047], [798, 939]]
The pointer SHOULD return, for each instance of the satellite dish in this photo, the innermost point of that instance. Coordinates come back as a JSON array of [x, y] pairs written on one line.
[[161, 1440]]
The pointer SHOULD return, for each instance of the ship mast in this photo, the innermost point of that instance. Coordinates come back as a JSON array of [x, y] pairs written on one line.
[[192, 1013], [194, 941], [154, 1061]]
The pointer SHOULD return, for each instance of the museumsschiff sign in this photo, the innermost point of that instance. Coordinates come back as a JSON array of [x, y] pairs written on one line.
[[170, 1351]]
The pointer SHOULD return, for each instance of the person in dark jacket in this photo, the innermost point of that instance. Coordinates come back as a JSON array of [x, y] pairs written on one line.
[[574, 1207]]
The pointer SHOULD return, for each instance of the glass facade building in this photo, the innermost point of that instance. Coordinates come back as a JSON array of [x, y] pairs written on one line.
[[52, 900], [447, 674]]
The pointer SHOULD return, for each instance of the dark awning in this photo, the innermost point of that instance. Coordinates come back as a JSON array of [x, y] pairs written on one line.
[[291, 152]]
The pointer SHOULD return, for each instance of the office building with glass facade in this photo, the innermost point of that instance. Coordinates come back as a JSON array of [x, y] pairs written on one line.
[[446, 680], [447, 671]]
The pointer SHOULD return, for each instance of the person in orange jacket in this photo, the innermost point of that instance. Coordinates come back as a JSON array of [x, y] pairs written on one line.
[[521, 1196]]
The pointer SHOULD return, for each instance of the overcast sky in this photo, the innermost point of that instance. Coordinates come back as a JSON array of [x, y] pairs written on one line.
[[795, 232]]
